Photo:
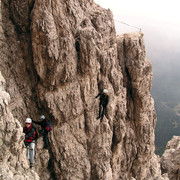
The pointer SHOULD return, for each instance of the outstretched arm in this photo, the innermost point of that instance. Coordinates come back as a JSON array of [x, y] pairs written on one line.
[[98, 95], [37, 122]]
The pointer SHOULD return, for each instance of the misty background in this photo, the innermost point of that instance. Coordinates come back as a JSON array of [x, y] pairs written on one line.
[[160, 24]]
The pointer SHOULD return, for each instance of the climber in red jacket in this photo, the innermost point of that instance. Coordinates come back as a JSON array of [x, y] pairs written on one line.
[[30, 135]]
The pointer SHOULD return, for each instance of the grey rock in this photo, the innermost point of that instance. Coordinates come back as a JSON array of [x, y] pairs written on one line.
[[55, 58], [170, 159]]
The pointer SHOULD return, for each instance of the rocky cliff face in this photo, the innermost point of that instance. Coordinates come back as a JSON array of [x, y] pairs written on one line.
[[170, 159], [55, 57]]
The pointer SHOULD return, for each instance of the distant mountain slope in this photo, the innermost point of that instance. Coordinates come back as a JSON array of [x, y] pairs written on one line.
[[166, 93]]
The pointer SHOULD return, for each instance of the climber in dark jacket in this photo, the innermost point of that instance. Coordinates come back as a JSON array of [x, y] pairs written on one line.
[[104, 99], [29, 141], [46, 128]]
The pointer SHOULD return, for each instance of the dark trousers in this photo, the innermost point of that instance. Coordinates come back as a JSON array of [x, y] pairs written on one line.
[[45, 138], [101, 110]]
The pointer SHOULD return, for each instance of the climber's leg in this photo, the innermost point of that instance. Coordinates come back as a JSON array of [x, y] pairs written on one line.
[[45, 138], [99, 111], [32, 152], [103, 112]]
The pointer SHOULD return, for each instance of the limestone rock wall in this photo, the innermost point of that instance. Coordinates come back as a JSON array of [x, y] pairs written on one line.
[[13, 163], [56, 56], [170, 159], [140, 117]]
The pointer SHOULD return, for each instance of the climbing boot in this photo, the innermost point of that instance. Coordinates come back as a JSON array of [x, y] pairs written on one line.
[[31, 165]]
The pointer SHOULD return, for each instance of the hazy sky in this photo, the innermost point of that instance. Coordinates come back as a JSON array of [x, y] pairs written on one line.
[[158, 19]]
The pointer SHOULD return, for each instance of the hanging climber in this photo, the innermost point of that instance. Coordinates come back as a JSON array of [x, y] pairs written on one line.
[[46, 128], [30, 137], [104, 99]]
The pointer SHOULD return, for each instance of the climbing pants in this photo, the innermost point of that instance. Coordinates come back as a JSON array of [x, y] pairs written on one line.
[[30, 151], [101, 108], [45, 138]]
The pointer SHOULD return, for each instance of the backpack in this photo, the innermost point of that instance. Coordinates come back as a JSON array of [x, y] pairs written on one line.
[[36, 134], [48, 125]]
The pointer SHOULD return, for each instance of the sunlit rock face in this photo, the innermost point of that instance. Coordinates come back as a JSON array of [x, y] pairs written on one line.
[[56, 57], [170, 159]]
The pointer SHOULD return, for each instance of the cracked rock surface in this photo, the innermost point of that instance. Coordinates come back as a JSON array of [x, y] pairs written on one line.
[[56, 57]]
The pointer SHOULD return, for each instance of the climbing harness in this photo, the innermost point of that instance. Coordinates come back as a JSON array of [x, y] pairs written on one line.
[[27, 147]]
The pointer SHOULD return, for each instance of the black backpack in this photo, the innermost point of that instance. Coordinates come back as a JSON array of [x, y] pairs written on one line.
[[48, 125]]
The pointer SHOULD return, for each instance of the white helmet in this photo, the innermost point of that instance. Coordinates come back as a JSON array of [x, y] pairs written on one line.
[[42, 117], [28, 120], [105, 91]]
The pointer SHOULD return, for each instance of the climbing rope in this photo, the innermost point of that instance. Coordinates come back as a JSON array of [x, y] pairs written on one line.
[[127, 24]]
